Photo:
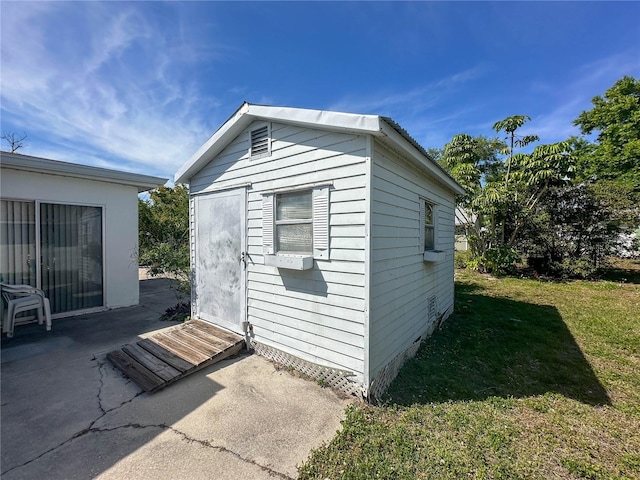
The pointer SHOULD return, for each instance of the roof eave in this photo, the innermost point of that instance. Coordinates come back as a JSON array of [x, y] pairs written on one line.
[[247, 113], [228, 131], [420, 157]]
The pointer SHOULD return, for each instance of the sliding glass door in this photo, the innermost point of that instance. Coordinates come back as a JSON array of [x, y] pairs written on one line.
[[71, 252], [69, 242]]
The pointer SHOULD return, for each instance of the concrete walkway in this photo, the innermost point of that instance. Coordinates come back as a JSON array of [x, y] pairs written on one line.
[[68, 414]]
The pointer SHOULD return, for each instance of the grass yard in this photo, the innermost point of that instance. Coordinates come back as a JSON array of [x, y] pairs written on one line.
[[529, 379]]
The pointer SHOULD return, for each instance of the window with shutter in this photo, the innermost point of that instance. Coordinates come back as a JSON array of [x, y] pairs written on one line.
[[296, 223]]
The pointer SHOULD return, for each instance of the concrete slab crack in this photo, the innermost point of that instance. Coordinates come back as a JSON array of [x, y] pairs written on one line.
[[100, 387], [220, 448], [101, 365], [161, 426], [91, 428], [79, 434]]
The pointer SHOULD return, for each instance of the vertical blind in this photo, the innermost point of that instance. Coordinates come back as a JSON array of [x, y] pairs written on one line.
[[71, 250], [17, 242]]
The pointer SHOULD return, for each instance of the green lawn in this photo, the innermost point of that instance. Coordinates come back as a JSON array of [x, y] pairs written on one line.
[[529, 379]]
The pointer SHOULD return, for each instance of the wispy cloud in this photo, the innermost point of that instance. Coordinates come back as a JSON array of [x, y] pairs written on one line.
[[575, 96], [416, 99], [117, 89], [422, 110]]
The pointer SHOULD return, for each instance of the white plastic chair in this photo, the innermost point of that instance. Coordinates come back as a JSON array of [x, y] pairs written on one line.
[[23, 298]]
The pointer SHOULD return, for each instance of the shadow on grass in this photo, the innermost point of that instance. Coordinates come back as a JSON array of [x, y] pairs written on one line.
[[624, 271], [497, 347]]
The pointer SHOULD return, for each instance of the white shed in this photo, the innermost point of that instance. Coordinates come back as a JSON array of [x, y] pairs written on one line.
[[326, 238], [71, 230]]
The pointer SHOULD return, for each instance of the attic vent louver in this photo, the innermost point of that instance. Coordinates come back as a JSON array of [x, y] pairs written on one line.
[[260, 142]]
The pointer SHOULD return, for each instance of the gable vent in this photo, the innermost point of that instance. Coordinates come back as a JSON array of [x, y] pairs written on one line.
[[260, 141]]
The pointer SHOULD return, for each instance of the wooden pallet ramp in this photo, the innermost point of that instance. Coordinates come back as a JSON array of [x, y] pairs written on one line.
[[167, 356]]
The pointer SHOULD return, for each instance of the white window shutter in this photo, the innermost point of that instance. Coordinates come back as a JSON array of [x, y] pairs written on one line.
[[321, 223], [421, 225], [267, 224]]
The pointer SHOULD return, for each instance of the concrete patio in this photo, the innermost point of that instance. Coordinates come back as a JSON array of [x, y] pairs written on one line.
[[67, 413]]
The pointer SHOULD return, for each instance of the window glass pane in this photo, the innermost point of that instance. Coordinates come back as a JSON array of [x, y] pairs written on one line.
[[71, 247], [18, 242], [428, 214], [295, 238], [293, 206], [428, 238]]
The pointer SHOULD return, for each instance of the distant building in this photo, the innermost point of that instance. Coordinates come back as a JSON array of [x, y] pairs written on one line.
[[71, 230]]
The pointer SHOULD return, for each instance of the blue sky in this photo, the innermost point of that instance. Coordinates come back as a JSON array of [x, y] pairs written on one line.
[[140, 86]]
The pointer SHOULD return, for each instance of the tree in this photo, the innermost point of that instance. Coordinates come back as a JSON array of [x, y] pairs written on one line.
[[501, 196], [14, 140], [474, 163], [568, 201], [163, 222], [616, 119], [572, 233], [509, 125]]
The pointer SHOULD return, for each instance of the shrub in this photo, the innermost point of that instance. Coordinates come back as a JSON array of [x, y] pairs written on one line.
[[582, 268], [461, 259], [498, 261]]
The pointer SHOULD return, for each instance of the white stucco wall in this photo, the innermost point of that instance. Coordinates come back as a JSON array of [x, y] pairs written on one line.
[[120, 210]]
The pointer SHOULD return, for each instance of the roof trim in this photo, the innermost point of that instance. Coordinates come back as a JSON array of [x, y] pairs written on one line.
[[247, 113], [396, 134], [390, 131], [18, 161]]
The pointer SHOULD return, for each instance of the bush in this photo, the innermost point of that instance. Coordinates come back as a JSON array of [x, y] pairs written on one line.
[[461, 259], [581, 268], [163, 221], [498, 261]]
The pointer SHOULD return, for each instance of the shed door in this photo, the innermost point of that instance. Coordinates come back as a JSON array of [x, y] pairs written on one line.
[[220, 296]]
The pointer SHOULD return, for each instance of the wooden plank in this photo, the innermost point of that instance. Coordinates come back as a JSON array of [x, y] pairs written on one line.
[[218, 332], [180, 349], [194, 342], [165, 355], [153, 363], [142, 376], [230, 351], [214, 340]]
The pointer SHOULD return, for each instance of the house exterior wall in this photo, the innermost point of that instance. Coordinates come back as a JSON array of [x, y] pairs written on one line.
[[120, 217], [318, 314], [401, 282]]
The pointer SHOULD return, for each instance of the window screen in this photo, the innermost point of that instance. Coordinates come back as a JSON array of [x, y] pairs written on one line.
[[294, 222]]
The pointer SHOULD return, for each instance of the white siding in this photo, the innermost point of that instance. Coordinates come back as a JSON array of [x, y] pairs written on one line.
[[318, 314], [401, 282]]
